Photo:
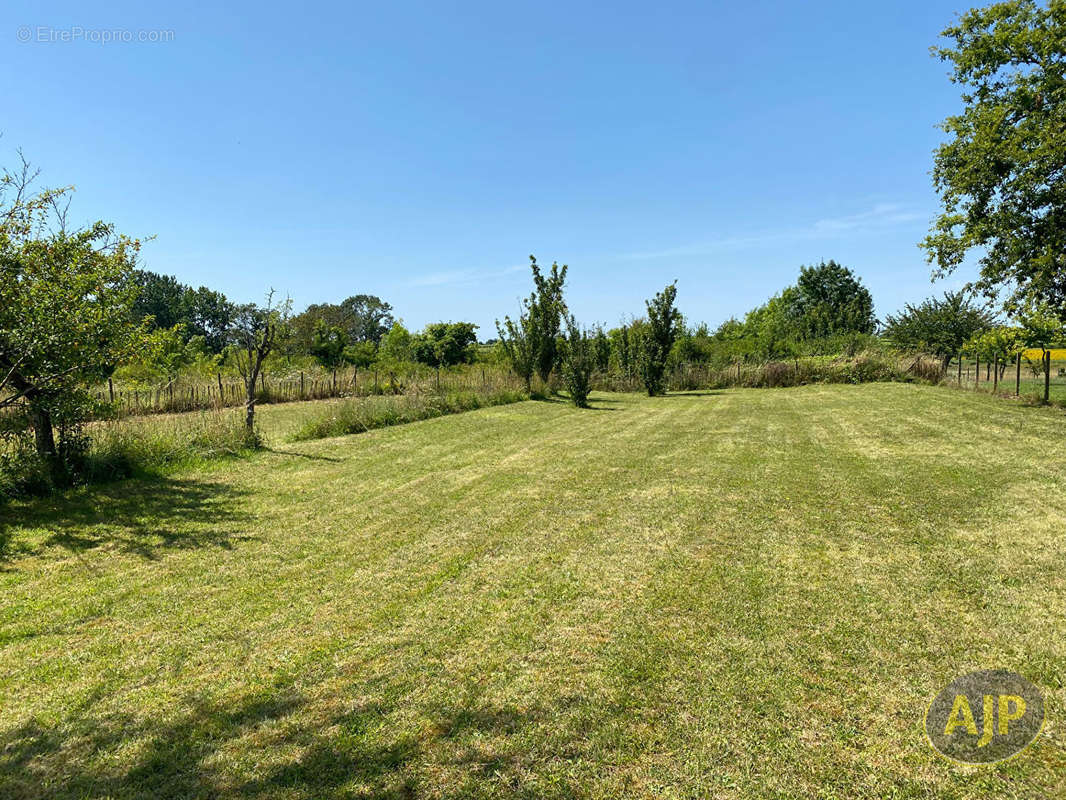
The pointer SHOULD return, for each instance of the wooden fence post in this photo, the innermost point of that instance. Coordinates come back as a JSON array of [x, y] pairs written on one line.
[[301, 385], [960, 370], [1047, 376], [111, 390], [977, 372], [1018, 375]]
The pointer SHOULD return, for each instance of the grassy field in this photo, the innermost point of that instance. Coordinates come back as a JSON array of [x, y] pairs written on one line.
[[719, 594]]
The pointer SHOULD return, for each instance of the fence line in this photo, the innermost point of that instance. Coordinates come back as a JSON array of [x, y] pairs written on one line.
[[179, 396]]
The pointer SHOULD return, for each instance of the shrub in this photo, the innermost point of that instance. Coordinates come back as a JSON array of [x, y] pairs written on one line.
[[578, 361]]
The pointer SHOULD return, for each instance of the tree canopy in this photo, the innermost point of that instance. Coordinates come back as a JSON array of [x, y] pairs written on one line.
[[999, 175], [939, 326], [65, 299]]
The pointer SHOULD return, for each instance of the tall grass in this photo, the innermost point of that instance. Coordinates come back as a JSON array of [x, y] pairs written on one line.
[[193, 391], [864, 367], [115, 449], [146, 443], [357, 415]]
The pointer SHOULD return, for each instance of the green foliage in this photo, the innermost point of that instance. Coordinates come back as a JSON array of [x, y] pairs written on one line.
[[328, 344], [828, 300], [1041, 328], [545, 308], [65, 299], [255, 331], [579, 359], [601, 350], [622, 351], [361, 355], [1000, 174], [445, 344], [518, 342], [200, 312], [939, 326], [999, 342], [362, 318], [396, 346], [658, 338], [358, 415]]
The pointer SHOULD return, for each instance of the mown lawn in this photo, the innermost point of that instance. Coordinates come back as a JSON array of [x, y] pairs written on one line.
[[720, 594]]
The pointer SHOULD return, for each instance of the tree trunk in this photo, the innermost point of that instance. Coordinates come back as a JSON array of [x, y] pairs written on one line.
[[249, 404], [43, 435], [45, 442]]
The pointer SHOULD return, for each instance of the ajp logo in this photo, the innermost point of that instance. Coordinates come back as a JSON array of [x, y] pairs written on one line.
[[985, 716]]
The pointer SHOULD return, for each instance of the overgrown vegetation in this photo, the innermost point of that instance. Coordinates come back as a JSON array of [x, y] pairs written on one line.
[[121, 448], [358, 415]]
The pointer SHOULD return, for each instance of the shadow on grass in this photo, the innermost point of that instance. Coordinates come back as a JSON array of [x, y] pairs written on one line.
[[141, 516], [277, 743], [127, 756], [702, 393]]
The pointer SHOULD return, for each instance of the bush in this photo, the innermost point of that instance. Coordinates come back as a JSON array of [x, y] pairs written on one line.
[[577, 364]]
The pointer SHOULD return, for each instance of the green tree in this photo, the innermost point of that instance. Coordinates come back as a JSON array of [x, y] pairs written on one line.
[[622, 350], [546, 308], [65, 311], [772, 328], [328, 343], [664, 321], [201, 312], [168, 351], [939, 326], [1041, 329], [367, 318], [395, 347], [999, 175], [362, 317], [209, 315], [578, 361], [602, 349], [827, 300], [445, 344], [161, 297], [518, 341]]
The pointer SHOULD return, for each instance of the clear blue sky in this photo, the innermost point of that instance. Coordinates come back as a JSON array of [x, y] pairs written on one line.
[[421, 151]]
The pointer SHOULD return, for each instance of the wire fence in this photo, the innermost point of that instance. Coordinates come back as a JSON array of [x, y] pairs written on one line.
[[227, 391]]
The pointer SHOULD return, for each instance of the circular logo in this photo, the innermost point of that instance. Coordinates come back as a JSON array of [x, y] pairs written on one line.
[[985, 716]]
